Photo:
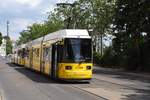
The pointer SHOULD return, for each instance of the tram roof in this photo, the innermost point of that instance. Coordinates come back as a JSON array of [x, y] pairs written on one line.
[[67, 33], [58, 35]]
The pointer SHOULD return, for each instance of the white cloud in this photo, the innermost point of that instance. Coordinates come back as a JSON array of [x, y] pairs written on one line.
[[18, 3], [22, 13], [62, 1], [47, 9], [31, 3], [21, 23], [17, 25]]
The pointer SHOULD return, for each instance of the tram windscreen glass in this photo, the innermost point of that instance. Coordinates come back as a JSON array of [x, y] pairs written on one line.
[[77, 50]]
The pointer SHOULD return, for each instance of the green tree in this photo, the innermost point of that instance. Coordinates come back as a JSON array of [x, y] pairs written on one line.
[[8, 45], [82, 14], [54, 22], [89, 14], [131, 22], [25, 37], [103, 14], [35, 31]]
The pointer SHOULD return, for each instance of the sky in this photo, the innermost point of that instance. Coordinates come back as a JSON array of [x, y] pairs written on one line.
[[23, 13]]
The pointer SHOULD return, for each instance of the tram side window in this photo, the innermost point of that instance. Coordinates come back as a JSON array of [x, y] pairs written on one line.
[[14, 52], [46, 54], [50, 53], [37, 52], [27, 53], [23, 53], [19, 53]]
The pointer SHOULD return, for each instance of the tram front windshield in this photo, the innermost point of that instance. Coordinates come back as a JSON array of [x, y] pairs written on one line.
[[77, 50]]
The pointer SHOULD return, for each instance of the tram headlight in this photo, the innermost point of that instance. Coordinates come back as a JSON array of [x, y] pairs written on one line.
[[68, 67], [88, 67]]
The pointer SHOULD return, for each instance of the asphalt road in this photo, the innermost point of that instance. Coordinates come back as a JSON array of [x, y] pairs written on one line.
[[18, 83]]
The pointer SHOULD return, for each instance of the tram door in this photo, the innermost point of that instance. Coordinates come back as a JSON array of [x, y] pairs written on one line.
[[45, 60], [54, 61], [31, 57], [56, 58]]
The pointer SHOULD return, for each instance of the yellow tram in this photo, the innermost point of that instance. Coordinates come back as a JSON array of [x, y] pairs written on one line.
[[65, 54]]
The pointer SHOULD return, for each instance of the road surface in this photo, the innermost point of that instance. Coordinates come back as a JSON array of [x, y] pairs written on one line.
[[19, 83]]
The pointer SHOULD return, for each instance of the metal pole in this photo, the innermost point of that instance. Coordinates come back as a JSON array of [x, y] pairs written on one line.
[[71, 11], [101, 39], [7, 28]]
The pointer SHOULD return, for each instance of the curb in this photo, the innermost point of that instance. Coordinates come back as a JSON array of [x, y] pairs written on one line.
[[0, 97]]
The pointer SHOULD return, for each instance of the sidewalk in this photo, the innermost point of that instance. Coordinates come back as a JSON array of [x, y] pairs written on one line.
[[120, 71], [1, 95], [116, 84]]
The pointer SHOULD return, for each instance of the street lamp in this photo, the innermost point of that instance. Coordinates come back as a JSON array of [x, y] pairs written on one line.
[[65, 4], [72, 5]]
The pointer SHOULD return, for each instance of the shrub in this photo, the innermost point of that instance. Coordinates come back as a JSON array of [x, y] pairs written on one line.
[[97, 58], [109, 59]]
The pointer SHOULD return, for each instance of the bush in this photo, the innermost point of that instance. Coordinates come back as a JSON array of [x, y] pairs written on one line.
[[97, 58], [109, 59]]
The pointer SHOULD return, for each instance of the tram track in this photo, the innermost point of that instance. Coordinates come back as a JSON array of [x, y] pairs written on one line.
[[93, 83], [98, 87], [76, 87], [71, 86], [97, 91], [115, 83], [101, 87]]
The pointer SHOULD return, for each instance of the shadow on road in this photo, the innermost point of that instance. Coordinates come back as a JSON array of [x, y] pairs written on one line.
[[40, 78], [121, 75], [139, 94]]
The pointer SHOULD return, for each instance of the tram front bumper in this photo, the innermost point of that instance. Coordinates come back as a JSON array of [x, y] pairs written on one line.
[[75, 71], [77, 75]]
